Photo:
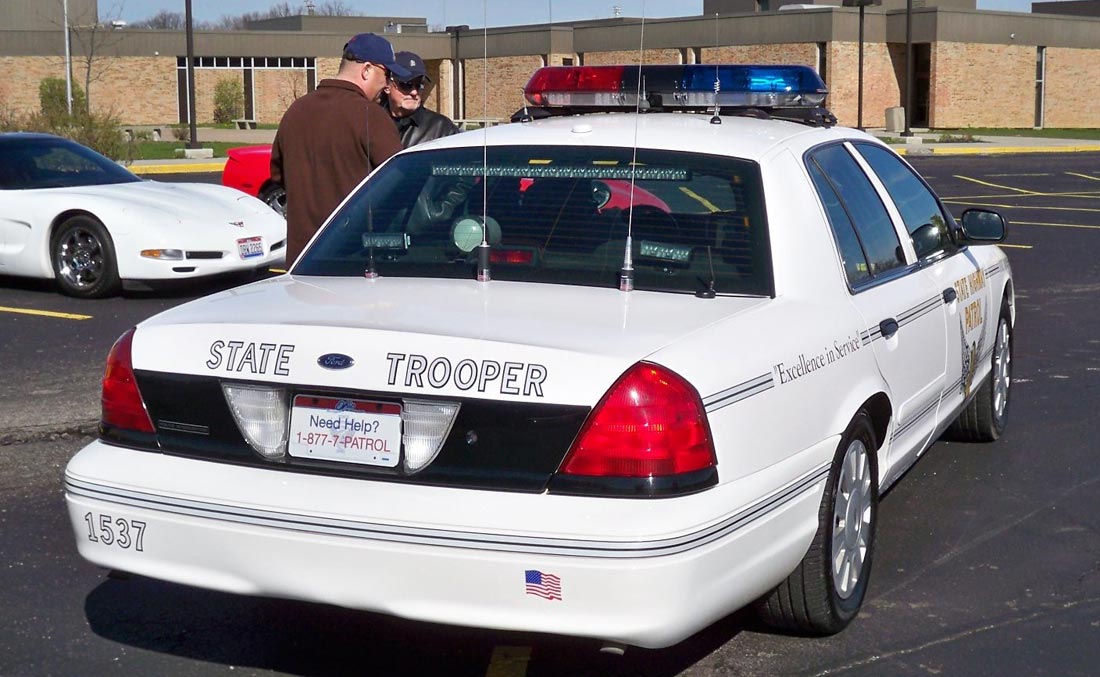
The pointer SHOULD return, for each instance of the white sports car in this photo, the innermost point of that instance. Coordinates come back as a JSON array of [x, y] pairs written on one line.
[[488, 395], [70, 214]]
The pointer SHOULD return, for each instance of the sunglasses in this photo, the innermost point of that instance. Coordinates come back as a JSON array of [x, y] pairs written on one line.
[[409, 87]]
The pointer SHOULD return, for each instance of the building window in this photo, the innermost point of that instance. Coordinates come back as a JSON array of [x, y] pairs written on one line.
[[1040, 77], [246, 64], [823, 60]]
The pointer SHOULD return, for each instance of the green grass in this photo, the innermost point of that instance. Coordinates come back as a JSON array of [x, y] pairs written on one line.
[[166, 150], [1092, 134]]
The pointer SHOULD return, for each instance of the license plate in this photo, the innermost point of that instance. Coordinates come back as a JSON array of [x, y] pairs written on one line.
[[351, 431], [250, 247]]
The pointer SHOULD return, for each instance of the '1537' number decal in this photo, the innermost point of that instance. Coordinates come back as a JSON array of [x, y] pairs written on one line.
[[115, 531]]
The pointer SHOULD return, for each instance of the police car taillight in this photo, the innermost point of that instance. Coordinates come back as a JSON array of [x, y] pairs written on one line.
[[686, 87], [122, 404], [651, 423]]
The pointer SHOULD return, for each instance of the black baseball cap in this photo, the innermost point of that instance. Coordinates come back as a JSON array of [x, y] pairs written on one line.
[[412, 63], [375, 49]]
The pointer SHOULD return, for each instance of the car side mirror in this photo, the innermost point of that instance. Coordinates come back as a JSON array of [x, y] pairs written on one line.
[[983, 225]]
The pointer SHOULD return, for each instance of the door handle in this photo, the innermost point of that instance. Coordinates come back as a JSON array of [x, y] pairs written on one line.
[[950, 295], [888, 327]]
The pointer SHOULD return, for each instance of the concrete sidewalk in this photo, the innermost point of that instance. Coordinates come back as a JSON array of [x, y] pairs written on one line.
[[921, 143]]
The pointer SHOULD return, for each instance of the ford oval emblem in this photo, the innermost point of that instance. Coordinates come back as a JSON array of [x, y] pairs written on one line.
[[335, 361]]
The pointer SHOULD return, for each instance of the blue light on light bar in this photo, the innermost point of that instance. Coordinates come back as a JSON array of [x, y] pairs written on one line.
[[691, 86]]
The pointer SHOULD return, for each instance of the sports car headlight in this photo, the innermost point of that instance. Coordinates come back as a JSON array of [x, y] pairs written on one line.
[[424, 428], [261, 415], [163, 254]]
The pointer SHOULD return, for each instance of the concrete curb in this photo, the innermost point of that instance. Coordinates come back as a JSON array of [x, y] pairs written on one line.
[[179, 168], [995, 150]]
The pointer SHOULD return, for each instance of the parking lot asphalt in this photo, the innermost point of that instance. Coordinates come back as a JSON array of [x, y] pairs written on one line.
[[987, 557]]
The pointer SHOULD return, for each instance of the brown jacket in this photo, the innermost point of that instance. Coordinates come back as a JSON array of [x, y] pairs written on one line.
[[328, 140]]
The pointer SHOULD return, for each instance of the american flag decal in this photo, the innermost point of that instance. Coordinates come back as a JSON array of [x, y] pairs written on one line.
[[546, 586]]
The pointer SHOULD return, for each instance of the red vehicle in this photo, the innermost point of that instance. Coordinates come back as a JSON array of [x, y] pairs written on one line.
[[249, 169]]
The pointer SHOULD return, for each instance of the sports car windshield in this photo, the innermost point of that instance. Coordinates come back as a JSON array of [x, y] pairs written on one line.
[[556, 215], [43, 162]]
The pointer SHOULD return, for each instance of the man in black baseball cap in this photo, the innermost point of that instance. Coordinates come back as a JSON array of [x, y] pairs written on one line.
[[404, 98]]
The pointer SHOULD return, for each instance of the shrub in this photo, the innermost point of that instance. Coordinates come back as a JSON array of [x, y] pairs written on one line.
[[182, 132], [99, 131], [228, 100], [51, 99]]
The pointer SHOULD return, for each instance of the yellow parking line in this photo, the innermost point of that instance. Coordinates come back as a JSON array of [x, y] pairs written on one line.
[[509, 661], [1084, 176], [1076, 193], [45, 313], [994, 185], [700, 199], [1055, 225], [1030, 208], [1017, 246]]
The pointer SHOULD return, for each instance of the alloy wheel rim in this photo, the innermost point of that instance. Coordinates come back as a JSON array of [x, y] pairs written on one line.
[[1002, 371], [852, 515], [277, 201], [80, 258]]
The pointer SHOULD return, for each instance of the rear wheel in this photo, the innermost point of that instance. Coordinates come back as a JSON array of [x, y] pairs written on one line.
[[274, 196], [83, 258], [985, 417], [826, 591]]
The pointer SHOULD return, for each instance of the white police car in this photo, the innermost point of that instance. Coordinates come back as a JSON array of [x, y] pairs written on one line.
[[609, 375]]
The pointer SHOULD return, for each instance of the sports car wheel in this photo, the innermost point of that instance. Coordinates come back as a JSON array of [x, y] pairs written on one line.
[[826, 591], [275, 197], [986, 416], [84, 258]]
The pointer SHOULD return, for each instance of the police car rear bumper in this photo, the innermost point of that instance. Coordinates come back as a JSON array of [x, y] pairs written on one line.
[[649, 601]]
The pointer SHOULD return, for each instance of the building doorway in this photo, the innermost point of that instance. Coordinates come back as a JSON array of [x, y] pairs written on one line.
[[922, 84]]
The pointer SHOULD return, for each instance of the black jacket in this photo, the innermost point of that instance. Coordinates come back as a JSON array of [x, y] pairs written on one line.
[[424, 125]]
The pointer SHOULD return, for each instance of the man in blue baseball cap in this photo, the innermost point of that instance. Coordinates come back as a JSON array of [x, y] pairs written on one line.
[[331, 138]]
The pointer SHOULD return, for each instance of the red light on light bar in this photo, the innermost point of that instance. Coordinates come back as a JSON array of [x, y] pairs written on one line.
[[553, 79], [519, 257]]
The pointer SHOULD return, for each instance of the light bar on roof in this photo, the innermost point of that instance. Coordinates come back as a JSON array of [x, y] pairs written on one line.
[[687, 87]]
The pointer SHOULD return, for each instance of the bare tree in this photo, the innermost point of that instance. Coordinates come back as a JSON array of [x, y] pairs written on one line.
[[163, 21], [239, 22], [89, 42], [333, 8]]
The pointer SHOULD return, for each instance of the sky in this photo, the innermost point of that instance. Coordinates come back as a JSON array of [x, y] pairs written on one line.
[[456, 12]]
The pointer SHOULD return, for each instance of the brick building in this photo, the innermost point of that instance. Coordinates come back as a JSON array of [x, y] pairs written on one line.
[[972, 68]]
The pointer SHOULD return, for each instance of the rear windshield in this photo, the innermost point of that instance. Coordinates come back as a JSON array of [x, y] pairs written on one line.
[[556, 215]]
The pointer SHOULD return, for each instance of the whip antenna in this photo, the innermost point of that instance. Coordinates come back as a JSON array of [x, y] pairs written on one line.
[[626, 273], [483, 272], [716, 119]]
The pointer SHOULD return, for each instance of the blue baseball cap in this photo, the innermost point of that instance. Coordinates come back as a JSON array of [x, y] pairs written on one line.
[[375, 49]]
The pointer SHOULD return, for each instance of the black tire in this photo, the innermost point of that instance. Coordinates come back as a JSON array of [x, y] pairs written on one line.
[[985, 417], [274, 196], [816, 599], [83, 258]]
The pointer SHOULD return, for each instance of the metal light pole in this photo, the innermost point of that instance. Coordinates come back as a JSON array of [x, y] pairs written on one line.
[[193, 142], [68, 58], [859, 117], [908, 66]]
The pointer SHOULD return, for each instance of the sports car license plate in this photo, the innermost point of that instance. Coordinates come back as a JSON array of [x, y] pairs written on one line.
[[250, 247], [352, 431]]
